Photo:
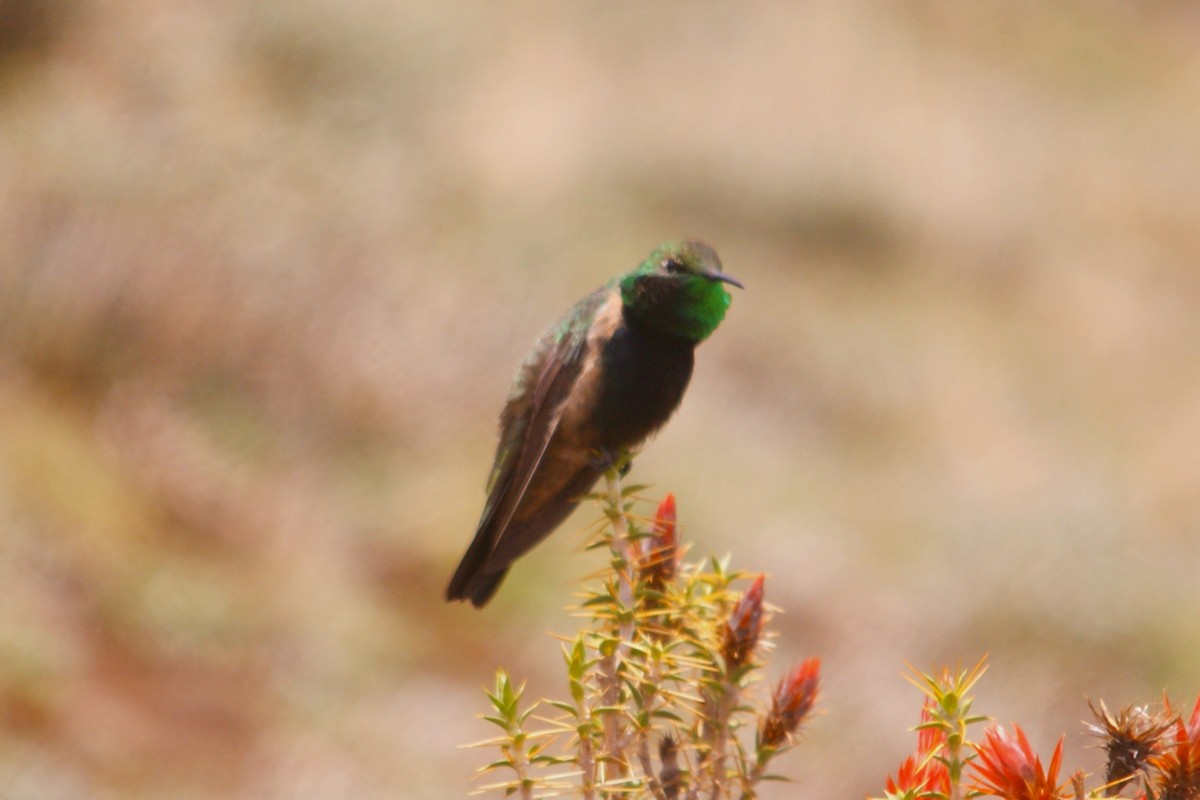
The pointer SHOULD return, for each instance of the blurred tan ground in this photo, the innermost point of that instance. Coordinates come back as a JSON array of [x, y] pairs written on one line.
[[266, 269]]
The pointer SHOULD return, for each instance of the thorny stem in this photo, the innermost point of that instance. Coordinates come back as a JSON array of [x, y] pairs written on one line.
[[720, 729], [653, 678], [622, 547], [954, 764], [956, 789], [749, 789], [613, 733], [587, 766], [648, 766], [610, 665], [520, 766]]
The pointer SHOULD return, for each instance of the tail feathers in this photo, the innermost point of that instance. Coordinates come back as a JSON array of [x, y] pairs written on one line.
[[471, 581], [482, 586], [492, 551]]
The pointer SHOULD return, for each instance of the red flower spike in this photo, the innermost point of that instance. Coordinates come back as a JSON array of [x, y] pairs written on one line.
[[1177, 768], [922, 774], [660, 550], [919, 777], [664, 518], [742, 629], [1193, 725], [791, 704], [1007, 767]]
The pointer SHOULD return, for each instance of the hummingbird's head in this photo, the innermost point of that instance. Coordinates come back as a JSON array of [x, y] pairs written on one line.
[[679, 289]]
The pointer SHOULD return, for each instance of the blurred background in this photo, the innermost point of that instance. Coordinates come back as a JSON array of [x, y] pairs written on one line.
[[266, 270]]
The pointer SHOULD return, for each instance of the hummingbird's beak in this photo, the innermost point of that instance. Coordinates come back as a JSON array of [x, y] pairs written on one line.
[[715, 275]]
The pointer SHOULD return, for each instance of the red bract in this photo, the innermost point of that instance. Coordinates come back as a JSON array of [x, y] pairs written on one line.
[[664, 518], [743, 627], [792, 702], [660, 550], [1178, 766], [922, 774], [1007, 767], [919, 777]]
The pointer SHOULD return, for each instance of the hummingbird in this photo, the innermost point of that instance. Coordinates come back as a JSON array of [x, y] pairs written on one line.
[[598, 382]]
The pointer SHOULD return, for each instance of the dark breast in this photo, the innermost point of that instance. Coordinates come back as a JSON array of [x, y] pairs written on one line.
[[645, 373]]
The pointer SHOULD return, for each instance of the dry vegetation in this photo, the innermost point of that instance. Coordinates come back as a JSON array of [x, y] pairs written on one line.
[[266, 268]]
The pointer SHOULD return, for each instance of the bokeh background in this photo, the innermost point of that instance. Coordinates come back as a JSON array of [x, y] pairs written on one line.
[[267, 268]]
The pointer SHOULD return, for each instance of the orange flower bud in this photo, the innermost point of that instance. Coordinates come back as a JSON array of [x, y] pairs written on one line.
[[660, 550], [791, 704], [742, 629]]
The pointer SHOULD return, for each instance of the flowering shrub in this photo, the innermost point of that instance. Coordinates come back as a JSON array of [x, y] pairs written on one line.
[[1151, 755], [662, 702]]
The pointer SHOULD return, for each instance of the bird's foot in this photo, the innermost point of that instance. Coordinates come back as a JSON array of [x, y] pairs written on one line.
[[620, 461]]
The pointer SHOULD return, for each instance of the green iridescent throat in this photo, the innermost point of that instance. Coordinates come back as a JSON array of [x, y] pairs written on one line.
[[707, 301], [691, 306]]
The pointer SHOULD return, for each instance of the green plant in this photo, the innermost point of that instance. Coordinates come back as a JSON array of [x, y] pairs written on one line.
[[662, 701], [662, 680], [1156, 754]]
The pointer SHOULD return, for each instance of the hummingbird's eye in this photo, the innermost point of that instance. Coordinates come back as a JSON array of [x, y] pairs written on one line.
[[673, 266]]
